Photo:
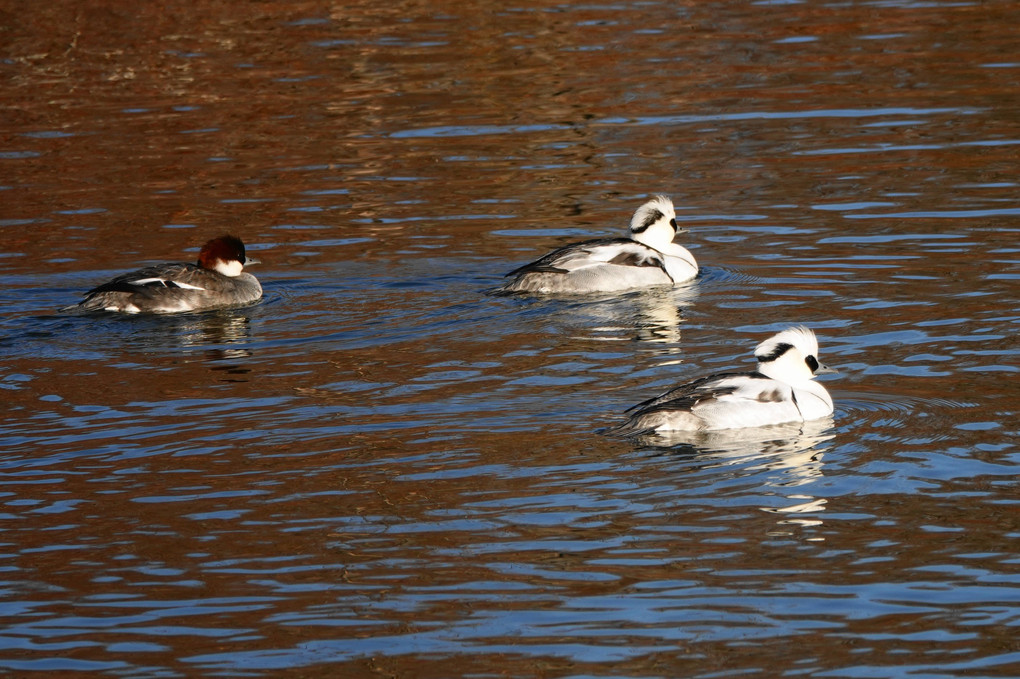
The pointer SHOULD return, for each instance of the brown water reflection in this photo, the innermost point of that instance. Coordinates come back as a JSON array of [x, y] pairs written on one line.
[[382, 468]]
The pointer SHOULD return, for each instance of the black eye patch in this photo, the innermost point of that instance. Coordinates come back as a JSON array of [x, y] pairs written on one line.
[[812, 363], [650, 218], [778, 351], [672, 223]]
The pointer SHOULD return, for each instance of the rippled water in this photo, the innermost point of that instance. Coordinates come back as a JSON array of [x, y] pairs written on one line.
[[383, 468]]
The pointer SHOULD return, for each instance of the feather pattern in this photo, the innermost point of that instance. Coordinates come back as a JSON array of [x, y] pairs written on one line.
[[591, 253], [727, 401], [174, 275]]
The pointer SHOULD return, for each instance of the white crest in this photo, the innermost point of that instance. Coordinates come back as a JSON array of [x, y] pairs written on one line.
[[657, 208], [791, 356], [799, 337], [654, 223]]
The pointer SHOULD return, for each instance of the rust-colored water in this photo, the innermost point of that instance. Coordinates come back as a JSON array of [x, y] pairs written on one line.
[[382, 469]]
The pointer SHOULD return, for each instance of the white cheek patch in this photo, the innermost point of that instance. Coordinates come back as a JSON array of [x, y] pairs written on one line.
[[232, 268]]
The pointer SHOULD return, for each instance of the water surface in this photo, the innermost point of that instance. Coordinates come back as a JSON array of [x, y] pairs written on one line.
[[384, 469]]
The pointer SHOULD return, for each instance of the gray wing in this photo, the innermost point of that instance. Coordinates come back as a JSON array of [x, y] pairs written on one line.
[[577, 256], [708, 391], [150, 279]]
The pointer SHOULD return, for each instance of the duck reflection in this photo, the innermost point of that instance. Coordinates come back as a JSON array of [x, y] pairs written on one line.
[[225, 334], [214, 328], [793, 449], [785, 457], [651, 316]]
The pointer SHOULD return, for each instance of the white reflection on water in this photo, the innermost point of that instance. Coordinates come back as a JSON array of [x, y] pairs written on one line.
[[781, 456], [791, 453], [779, 461], [653, 316]]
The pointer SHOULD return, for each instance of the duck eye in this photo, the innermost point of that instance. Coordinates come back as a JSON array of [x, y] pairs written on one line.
[[812, 363], [672, 223]]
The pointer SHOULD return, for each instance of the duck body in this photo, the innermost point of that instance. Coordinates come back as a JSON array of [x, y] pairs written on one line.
[[731, 401], [780, 390], [216, 281], [603, 265], [647, 258]]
